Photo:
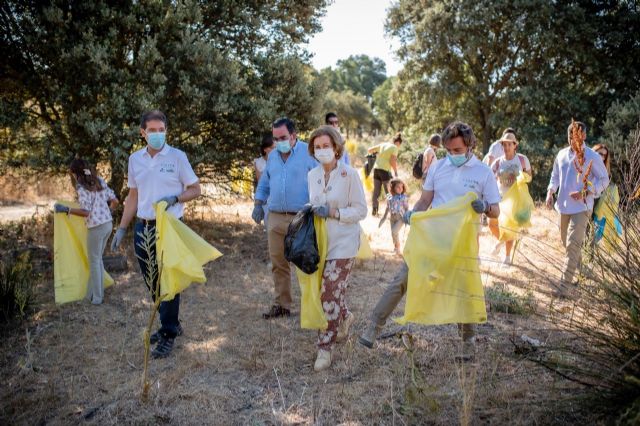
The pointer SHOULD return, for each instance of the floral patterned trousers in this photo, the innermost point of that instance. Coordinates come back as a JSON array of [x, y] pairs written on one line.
[[334, 286]]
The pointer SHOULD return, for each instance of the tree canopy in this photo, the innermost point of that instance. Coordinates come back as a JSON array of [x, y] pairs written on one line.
[[76, 76], [359, 73], [529, 64]]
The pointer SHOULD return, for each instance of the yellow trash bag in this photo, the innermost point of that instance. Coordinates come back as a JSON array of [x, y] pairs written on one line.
[[516, 208], [70, 262], [364, 252], [367, 182], [311, 311], [444, 280], [181, 254], [608, 228]]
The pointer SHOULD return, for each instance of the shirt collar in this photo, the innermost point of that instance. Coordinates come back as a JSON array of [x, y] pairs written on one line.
[[584, 147], [472, 161], [163, 152]]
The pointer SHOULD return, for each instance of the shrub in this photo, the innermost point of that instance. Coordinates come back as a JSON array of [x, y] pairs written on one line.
[[502, 299], [17, 281]]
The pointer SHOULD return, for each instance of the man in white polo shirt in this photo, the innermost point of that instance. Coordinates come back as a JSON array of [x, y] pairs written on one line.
[[461, 172], [156, 173]]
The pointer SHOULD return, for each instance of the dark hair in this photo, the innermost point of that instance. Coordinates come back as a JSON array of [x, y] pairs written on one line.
[[155, 114], [395, 182], [284, 121], [461, 129], [580, 124], [397, 138], [267, 142], [509, 130], [333, 134], [85, 175], [329, 116], [435, 139]]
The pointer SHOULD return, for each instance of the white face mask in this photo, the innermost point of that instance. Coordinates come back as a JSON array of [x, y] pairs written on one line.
[[325, 155]]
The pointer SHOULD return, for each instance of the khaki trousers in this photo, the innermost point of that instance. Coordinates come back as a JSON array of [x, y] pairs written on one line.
[[573, 229], [392, 297], [276, 230]]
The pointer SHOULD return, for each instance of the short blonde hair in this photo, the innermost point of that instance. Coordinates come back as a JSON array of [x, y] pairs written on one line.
[[334, 135]]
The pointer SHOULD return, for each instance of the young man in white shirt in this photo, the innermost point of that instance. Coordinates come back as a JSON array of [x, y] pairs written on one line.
[[574, 205], [156, 173], [461, 172]]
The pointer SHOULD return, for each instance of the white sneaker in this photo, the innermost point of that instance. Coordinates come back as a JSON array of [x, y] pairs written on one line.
[[506, 261], [496, 248], [323, 361], [343, 328]]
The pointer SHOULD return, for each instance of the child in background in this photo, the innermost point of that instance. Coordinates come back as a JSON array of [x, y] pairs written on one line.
[[397, 204], [96, 200]]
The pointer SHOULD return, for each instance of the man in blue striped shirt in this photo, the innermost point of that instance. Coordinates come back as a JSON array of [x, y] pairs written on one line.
[[284, 184]]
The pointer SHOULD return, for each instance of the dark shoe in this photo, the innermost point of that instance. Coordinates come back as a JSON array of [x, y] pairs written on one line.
[[276, 311], [155, 337], [163, 348], [368, 338]]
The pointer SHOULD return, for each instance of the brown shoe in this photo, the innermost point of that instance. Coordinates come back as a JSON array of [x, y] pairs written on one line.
[[276, 311]]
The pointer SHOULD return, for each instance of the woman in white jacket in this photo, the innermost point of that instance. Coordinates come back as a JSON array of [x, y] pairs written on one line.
[[336, 193]]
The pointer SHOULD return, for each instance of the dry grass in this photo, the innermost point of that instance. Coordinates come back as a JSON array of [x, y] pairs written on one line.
[[232, 367]]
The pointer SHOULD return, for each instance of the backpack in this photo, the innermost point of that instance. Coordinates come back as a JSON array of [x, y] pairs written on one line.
[[369, 163], [417, 166]]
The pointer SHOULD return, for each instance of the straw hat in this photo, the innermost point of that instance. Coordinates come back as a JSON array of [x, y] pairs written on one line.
[[509, 137]]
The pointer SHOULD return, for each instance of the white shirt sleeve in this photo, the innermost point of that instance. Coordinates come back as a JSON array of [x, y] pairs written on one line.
[[490, 192], [131, 179], [186, 174], [554, 181], [357, 208], [602, 176]]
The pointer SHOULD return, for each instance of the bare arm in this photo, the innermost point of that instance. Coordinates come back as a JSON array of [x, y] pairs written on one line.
[[426, 162], [193, 191], [494, 211], [424, 202], [130, 208], [79, 212], [394, 164]]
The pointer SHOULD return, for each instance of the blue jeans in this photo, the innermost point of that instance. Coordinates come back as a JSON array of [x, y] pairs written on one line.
[[170, 310]]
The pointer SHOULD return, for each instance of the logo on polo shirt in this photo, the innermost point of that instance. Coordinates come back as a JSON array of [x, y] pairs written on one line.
[[167, 168], [471, 183]]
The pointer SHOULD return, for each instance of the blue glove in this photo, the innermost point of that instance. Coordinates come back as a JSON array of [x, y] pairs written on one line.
[[117, 238], [480, 206], [258, 213], [321, 211], [59, 208], [170, 200], [406, 217]]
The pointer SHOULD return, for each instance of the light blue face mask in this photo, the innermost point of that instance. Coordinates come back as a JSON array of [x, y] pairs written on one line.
[[156, 140], [458, 160], [283, 146]]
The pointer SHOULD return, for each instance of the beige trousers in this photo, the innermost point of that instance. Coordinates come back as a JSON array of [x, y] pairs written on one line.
[[280, 268], [573, 228], [392, 297]]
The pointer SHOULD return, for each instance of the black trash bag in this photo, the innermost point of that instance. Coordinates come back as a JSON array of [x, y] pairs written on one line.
[[300, 245], [368, 165]]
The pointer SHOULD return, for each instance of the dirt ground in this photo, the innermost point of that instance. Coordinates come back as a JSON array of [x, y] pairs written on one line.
[[78, 363]]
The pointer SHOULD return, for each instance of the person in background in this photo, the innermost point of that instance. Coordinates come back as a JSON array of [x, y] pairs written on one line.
[[387, 159], [283, 188], [156, 173], [506, 169], [398, 204], [96, 201], [495, 150], [448, 179], [429, 156], [574, 203], [337, 195], [331, 119], [608, 199], [260, 163]]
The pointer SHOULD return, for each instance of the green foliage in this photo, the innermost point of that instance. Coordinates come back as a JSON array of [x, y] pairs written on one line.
[[17, 281], [529, 64], [501, 299], [76, 76], [360, 74], [385, 110], [353, 109]]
